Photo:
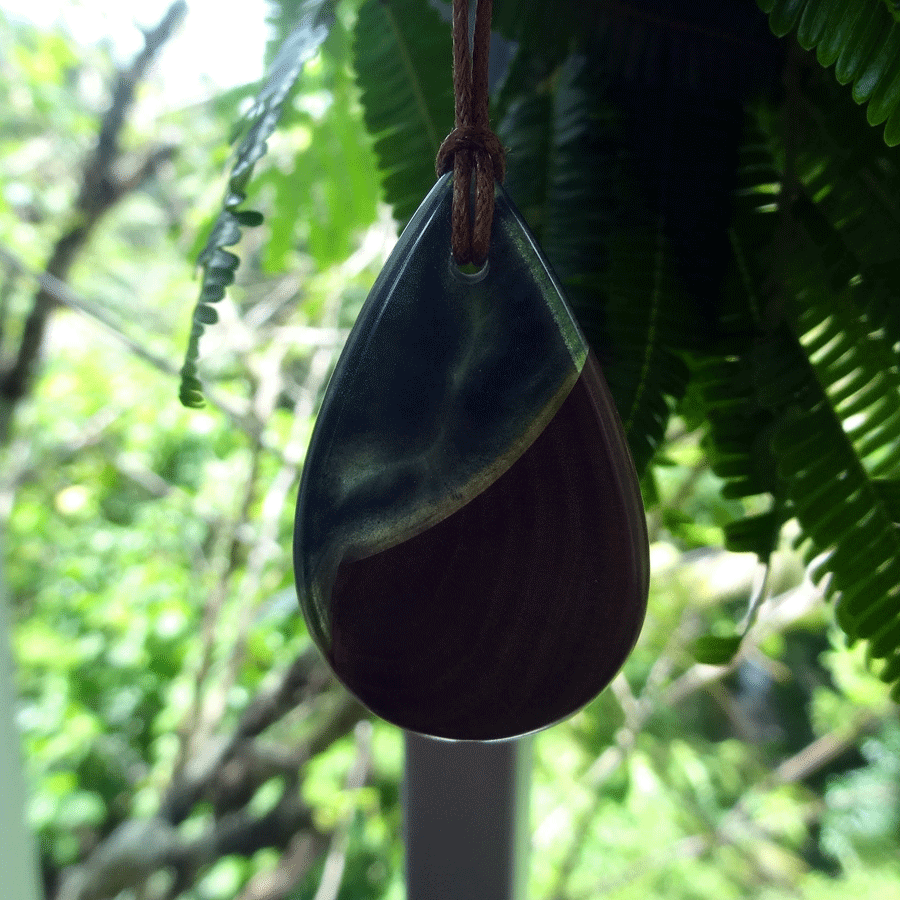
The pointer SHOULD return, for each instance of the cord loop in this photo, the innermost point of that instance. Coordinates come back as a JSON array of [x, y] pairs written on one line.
[[472, 144]]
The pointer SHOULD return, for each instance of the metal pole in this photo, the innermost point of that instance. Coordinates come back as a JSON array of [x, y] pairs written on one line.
[[466, 819]]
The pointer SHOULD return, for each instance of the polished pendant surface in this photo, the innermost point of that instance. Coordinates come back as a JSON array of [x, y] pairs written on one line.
[[470, 547]]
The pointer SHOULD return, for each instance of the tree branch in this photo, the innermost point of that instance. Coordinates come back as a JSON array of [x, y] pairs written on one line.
[[63, 295], [229, 772], [296, 862], [734, 825], [138, 848], [336, 861], [101, 189], [228, 778], [780, 613]]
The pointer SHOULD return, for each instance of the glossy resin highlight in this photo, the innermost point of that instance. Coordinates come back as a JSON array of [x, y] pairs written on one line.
[[470, 548]]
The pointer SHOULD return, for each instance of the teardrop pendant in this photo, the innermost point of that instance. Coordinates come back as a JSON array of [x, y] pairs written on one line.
[[470, 547]]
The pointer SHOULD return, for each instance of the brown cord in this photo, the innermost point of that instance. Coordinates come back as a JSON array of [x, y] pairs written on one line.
[[471, 143]]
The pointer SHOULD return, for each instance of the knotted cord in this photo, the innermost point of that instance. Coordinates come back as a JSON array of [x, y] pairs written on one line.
[[472, 143]]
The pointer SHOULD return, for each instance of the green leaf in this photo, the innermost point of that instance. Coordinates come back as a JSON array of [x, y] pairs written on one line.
[[754, 534], [846, 207], [547, 28], [249, 218], [889, 493], [648, 315], [814, 22], [218, 265], [861, 38], [403, 57], [712, 650], [329, 188], [783, 16]]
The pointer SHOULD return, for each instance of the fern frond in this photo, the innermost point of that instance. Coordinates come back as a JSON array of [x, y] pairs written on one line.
[[219, 265], [805, 406], [841, 507], [889, 491], [734, 394], [564, 174], [647, 318], [803, 456], [403, 59], [857, 364], [861, 38], [848, 201]]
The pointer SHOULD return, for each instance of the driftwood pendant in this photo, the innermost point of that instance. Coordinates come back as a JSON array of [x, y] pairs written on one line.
[[470, 547]]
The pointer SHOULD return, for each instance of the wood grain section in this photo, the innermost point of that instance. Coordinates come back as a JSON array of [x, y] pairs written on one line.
[[519, 608]]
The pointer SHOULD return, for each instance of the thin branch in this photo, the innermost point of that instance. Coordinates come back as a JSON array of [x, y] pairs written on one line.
[[213, 773], [239, 416], [138, 848], [295, 863], [201, 717], [267, 546], [822, 751], [336, 860], [781, 613], [63, 295], [101, 189], [737, 826], [98, 170], [228, 780]]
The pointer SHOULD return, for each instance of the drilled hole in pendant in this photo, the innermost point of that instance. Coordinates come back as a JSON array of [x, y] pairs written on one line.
[[469, 273]]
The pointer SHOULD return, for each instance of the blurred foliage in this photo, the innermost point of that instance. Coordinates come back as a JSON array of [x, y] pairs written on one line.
[[146, 546]]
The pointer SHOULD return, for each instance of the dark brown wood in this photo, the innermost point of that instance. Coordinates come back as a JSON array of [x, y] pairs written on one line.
[[516, 610]]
